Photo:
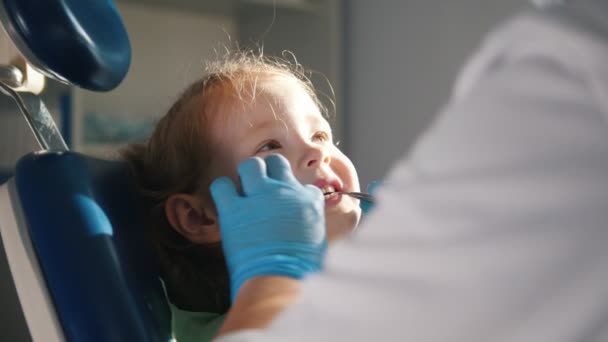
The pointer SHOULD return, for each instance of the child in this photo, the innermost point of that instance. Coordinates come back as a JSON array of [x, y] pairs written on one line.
[[246, 106]]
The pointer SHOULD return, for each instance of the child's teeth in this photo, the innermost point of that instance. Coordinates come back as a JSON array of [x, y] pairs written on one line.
[[328, 188]]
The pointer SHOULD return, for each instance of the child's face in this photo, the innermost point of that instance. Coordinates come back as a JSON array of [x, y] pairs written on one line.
[[285, 120]]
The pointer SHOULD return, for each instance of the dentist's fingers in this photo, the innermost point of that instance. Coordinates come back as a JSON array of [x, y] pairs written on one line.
[[223, 192], [278, 168], [252, 173], [315, 191]]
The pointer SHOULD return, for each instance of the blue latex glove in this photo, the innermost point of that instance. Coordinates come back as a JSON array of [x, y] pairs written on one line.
[[372, 188], [275, 227]]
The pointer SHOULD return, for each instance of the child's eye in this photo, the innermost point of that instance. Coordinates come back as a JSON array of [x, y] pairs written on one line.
[[269, 146], [320, 136]]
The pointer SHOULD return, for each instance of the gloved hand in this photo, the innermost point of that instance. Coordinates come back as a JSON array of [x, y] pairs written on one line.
[[275, 227], [372, 188]]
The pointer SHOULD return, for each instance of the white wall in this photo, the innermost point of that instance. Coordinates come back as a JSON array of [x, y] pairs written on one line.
[[402, 58], [169, 49]]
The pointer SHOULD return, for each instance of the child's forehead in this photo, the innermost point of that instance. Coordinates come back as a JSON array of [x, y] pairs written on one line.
[[276, 92], [266, 98], [262, 115], [268, 111]]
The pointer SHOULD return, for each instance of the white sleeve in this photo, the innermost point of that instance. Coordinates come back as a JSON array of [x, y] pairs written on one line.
[[494, 229]]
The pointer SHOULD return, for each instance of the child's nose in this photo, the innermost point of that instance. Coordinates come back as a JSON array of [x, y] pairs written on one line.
[[316, 155]]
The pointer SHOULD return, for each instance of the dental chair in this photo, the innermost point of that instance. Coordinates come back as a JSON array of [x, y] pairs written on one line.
[[71, 225]]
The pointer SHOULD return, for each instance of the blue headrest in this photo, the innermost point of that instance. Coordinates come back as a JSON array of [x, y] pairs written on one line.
[[76, 41], [86, 225]]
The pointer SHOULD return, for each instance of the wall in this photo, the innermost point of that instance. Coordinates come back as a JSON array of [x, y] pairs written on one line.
[[169, 48], [402, 58]]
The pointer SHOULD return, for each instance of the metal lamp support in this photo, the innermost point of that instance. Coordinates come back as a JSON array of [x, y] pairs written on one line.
[[36, 114]]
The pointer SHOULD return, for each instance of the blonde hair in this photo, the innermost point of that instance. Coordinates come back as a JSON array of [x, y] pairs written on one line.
[[177, 159]]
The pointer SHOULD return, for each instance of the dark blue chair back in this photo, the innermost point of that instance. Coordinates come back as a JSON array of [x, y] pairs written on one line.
[[86, 224]]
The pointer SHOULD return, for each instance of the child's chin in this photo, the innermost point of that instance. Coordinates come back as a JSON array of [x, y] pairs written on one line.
[[342, 225]]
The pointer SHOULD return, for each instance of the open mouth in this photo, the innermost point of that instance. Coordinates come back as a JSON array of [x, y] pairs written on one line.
[[329, 189]]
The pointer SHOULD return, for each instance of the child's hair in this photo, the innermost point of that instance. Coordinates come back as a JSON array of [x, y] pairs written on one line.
[[177, 159]]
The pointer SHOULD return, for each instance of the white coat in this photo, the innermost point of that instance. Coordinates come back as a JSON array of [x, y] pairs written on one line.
[[495, 228]]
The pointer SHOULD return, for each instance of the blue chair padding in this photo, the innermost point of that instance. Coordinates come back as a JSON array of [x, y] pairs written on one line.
[[86, 224], [82, 42]]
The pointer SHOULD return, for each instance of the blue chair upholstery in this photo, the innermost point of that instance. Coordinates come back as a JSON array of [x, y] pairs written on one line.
[[86, 225]]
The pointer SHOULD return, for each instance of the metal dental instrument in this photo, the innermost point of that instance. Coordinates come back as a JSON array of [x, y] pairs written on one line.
[[359, 195]]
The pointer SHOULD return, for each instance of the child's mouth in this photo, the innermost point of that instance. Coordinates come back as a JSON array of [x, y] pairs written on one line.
[[332, 198], [328, 189]]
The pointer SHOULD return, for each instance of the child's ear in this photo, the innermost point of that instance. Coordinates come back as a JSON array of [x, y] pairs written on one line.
[[188, 216]]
